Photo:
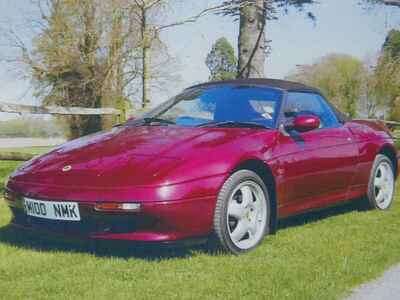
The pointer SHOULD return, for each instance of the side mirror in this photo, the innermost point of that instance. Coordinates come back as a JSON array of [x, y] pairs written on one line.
[[306, 123]]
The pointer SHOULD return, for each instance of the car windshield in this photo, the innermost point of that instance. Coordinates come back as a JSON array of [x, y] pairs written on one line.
[[220, 104]]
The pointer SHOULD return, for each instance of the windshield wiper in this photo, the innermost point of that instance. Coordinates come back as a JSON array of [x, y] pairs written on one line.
[[151, 121], [234, 124], [157, 120]]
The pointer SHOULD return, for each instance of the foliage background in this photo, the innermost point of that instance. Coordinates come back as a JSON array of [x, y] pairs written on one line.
[[32, 127]]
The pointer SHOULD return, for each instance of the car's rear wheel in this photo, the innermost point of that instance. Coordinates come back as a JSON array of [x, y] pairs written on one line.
[[381, 184], [242, 212]]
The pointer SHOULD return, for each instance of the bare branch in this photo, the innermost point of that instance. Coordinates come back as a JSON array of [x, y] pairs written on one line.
[[204, 12]]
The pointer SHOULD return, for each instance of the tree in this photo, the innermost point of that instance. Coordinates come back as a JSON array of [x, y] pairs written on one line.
[[147, 12], [252, 42], [387, 72], [387, 75], [147, 15], [369, 101], [391, 45], [84, 54], [222, 61], [339, 77], [92, 53]]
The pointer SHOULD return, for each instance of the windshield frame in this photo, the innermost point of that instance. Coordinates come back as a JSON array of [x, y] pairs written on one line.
[[165, 106]]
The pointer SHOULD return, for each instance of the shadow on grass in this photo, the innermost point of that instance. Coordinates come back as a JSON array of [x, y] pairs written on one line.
[[318, 215], [35, 241], [21, 238]]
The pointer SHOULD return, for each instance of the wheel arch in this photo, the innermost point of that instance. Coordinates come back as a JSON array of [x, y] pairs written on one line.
[[390, 152], [265, 172]]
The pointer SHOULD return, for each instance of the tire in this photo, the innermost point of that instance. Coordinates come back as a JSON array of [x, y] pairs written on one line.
[[381, 185], [242, 213]]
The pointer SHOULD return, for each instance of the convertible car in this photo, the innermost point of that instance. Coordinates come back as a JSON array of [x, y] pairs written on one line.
[[222, 161]]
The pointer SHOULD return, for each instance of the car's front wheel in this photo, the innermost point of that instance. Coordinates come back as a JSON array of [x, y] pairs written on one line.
[[381, 183], [242, 212]]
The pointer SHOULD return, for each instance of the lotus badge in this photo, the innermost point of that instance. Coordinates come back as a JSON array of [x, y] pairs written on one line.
[[67, 168]]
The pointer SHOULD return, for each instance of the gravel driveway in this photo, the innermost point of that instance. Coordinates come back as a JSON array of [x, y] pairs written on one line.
[[386, 287]]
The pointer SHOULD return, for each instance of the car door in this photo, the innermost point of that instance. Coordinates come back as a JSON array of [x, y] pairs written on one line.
[[318, 165]]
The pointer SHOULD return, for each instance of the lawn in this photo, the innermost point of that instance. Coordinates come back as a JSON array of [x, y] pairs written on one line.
[[32, 150], [315, 256]]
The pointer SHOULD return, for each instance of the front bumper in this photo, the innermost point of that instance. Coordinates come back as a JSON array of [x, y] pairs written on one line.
[[156, 222]]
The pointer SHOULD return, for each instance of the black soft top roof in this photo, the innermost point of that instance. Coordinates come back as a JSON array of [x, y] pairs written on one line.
[[272, 83]]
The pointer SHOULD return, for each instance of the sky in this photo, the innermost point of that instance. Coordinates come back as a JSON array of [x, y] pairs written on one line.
[[342, 26]]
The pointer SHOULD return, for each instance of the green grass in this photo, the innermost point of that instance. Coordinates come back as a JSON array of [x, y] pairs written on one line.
[[32, 150], [315, 256]]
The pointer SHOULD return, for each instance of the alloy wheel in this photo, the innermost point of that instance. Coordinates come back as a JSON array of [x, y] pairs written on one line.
[[384, 185], [246, 215]]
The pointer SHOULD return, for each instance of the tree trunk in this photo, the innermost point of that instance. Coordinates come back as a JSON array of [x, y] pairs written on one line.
[[89, 92], [146, 77], [145, 60], [252, 42], [113, 85]]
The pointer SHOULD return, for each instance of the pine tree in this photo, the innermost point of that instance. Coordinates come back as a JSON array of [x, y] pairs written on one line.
[[222, 61]]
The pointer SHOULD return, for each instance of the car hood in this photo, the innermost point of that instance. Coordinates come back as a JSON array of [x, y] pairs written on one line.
[[126, 156]]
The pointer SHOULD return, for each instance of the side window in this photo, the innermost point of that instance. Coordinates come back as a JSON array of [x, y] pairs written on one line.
[[309, 103]]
